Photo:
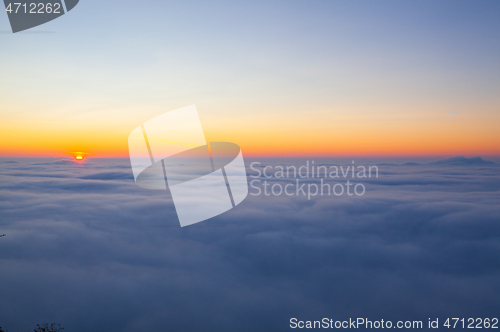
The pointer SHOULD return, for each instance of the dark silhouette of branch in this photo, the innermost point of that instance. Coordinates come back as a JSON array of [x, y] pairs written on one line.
[[45, 327]]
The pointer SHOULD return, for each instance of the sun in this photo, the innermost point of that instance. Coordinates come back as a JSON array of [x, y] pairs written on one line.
[[79, 155]]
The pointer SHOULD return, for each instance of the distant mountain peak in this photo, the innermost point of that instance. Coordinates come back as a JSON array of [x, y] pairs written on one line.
[[461, 160]]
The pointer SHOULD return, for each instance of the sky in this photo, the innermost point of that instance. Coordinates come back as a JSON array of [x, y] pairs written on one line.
[[281, 78], [87, 248]]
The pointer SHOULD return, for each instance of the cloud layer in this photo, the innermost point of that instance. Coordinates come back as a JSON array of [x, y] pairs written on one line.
[[87, 248]]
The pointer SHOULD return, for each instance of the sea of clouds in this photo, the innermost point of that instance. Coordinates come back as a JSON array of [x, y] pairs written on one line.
[[87, 248]]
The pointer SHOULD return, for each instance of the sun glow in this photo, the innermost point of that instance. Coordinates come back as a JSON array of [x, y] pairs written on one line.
[[79, 155]]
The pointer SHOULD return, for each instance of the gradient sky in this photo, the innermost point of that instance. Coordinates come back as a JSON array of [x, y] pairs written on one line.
[[281, 78]]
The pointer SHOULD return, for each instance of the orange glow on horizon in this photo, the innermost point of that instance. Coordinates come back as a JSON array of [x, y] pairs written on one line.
[[306, 149], [304, 136]]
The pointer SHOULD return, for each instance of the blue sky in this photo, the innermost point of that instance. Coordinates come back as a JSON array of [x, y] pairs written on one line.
[[296, 64]]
